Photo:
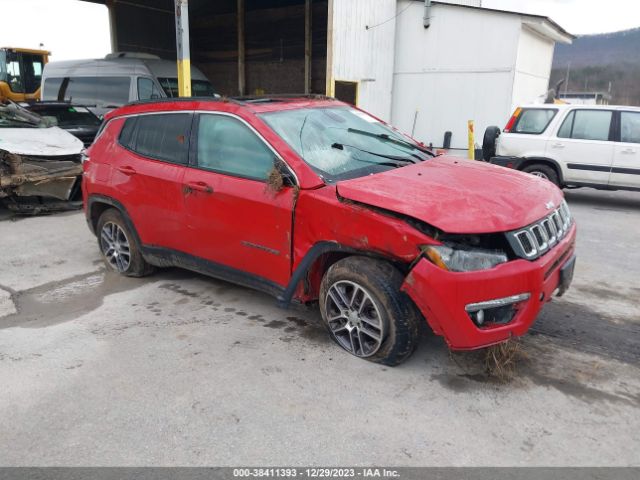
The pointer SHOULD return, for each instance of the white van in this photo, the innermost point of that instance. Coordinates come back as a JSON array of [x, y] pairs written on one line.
[[119, 78]]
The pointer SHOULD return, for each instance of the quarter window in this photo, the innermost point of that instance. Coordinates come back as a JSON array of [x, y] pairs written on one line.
[[126, 134], [587, 125], [534, 121], [227, 145], [160, 136], [147, 89], [630, 127]]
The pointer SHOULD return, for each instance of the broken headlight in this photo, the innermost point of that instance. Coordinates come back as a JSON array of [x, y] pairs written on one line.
[[463, 260]]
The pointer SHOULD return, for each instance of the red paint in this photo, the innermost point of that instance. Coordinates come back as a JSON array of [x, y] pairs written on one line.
[[457, 195], [442, 296], [242, 224]]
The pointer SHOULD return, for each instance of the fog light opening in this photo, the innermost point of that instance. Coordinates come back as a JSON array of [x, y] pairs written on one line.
[[495, 312]]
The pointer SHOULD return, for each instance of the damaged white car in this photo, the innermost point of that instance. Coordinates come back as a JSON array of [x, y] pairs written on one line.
[[40, 164]]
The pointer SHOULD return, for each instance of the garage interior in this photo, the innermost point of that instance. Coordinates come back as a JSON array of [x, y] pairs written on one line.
[[244, 47]]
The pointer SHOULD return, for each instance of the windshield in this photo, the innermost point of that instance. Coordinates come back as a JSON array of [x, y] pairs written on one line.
[[70, 116], [14, 116], [341, 142], [199, 88]]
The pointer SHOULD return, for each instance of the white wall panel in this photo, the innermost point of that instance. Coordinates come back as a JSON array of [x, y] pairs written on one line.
[[533, 67], [461, 68], [365, 55]]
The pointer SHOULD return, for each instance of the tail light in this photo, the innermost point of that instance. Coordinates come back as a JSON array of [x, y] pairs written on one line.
[[513, 119]]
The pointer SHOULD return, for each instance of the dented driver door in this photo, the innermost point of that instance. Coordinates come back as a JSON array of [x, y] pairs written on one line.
[[235, 218]]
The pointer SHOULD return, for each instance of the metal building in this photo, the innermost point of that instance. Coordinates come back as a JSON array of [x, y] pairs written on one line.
[[470, 63]]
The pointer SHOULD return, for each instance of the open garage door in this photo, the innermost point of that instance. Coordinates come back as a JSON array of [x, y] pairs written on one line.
[[250, 47]]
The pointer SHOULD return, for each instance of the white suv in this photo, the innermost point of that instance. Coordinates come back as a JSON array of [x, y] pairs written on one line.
[[571, 145]]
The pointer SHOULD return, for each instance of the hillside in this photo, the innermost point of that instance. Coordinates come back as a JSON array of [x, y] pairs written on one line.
[[597, 60]]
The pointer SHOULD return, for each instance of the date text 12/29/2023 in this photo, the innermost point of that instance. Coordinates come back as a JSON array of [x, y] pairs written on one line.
[[315, 473]]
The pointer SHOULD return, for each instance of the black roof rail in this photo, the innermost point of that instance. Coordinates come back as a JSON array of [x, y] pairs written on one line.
[[238, 100], [182, 99], [280, 96]]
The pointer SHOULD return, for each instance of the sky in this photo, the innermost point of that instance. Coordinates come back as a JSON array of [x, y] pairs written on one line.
[[579, 16], [73, 29]]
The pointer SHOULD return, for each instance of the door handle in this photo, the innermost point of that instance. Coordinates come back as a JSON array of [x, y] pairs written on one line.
[[198, 187], [127, 170], [558, 145], [629, 151]]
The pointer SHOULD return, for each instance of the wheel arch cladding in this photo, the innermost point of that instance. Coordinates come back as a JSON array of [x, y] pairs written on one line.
[[98, 204], [318, 260]]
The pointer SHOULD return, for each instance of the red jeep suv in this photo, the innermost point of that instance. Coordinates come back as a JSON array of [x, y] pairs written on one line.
[[310, 199]]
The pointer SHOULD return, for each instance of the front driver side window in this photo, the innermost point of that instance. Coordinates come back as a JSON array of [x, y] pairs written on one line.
[[227, 145]]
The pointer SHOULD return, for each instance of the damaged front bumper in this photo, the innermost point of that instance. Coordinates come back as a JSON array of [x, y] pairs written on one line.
[[473, 310], [34, 184]]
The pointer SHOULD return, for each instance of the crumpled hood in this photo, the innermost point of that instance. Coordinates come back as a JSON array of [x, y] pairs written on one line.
[[458, 195], [52, 141]]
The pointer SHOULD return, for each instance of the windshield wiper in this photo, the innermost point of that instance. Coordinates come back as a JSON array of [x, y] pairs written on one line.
[[397, 164], [388, 138]]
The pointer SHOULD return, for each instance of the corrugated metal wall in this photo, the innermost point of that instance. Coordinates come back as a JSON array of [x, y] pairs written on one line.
[[363, 50], [274, 42]]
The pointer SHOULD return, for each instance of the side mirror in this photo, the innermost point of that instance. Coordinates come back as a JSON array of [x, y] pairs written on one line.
[[288, 178], [280, 176]]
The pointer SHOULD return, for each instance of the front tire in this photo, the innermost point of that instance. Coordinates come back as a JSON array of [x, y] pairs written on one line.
[[543, 171], [119, 246], [366, 313]]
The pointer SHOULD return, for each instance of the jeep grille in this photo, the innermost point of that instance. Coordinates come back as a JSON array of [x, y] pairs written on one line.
[[537, 239]]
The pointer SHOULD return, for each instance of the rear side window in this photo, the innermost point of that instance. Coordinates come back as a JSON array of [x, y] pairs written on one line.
[[630, 127], [99, 91], [162, 136], [534, 121], [587, 125]]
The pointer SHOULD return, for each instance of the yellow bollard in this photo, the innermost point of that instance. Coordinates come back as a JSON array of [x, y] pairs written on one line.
[[472, 141]]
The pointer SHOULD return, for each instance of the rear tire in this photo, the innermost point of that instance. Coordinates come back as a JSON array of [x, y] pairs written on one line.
[[489, 141], [365, 311], [119, 246], [543, 171]]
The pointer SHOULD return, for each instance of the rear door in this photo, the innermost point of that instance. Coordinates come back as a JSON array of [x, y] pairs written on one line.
[[584, 146], [234, 218], [626, 162], [148, 175]]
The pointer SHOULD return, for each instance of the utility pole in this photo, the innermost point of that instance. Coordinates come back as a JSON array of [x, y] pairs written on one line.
[[182, 48], [566, 85]]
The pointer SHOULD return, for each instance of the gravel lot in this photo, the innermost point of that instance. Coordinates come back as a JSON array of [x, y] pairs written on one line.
[[180, 369]]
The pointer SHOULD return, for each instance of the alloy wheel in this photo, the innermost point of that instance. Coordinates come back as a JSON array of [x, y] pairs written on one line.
[[354, 318], [115, 246], [540, 174]]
